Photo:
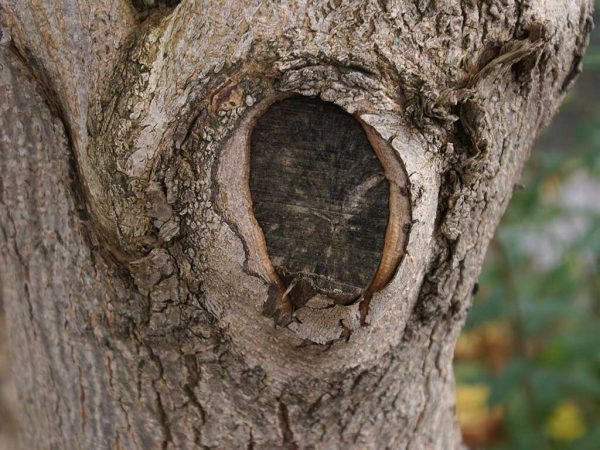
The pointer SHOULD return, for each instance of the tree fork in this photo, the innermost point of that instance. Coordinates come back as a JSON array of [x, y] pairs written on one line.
[[142, 272]]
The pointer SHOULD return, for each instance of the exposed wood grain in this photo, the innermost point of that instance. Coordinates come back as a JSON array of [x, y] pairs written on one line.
[[321, 197]]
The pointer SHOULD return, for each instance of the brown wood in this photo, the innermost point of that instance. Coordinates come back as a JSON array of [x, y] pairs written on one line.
[[321, 197]]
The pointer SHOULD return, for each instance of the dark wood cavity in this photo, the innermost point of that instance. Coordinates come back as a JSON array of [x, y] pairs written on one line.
[[321, 198]]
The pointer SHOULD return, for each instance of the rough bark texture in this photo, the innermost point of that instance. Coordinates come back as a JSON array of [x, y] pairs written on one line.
[[132, 274]]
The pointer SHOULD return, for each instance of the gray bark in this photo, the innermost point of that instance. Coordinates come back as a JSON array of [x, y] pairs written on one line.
[[133, 274]]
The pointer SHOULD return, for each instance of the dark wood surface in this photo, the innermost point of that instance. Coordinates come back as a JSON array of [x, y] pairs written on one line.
[[320, 196]]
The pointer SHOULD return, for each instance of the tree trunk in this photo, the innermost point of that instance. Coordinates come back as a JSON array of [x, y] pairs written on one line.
[[152, 303]]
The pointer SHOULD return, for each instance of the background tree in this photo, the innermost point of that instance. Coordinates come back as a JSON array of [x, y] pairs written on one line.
[[142, 300]]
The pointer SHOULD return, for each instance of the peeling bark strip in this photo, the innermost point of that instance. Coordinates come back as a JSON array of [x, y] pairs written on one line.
[[320, 195], [131, 259]]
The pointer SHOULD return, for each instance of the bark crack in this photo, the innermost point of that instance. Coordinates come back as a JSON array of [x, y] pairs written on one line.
[[288, 440]]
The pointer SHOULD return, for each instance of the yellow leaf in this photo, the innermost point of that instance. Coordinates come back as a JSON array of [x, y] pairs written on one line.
[[566, 422], [471, 403], [479, 423]]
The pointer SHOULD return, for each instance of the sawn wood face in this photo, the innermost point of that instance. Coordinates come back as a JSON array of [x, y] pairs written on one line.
[[320, 195]]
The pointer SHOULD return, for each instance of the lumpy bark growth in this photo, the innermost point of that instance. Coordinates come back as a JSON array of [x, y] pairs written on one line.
[[320, 195], [135, 278]]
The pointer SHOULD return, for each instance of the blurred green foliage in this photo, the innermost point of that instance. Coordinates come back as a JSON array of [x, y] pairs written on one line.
[[541, 286]]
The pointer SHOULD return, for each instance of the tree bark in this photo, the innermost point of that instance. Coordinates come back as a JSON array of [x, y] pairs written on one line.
[[134, 276]]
